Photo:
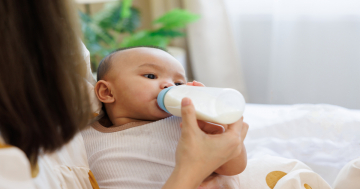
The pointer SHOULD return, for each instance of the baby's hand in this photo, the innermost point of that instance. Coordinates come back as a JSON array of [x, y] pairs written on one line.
[[212, 128], [195, 83]]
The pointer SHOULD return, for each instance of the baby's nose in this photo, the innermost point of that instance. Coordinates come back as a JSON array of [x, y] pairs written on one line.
[[166, 85]]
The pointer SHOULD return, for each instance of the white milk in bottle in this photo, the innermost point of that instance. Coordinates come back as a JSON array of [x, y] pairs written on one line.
[[217, 105]]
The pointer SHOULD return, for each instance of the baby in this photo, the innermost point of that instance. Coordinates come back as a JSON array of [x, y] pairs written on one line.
[[138, 149]]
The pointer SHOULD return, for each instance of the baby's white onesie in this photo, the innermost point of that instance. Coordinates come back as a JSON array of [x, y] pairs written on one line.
[[133, 157]]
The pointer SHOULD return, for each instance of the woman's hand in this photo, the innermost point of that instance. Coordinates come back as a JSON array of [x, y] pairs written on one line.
[[198, 154], [208, 127]]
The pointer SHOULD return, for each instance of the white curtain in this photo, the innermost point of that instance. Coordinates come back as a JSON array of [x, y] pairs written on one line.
[[213, 53], [291, 51]]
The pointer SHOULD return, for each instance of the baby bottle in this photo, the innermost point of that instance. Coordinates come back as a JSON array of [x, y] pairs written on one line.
[[217, 105]]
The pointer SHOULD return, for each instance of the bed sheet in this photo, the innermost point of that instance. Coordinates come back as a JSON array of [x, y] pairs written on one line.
[[324, 137]]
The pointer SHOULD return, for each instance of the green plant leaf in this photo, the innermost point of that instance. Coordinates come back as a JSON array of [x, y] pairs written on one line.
[[93, 32], [176, 18], [129, 24], [144, 38], [111, 17], [125, 11], [167, 33]]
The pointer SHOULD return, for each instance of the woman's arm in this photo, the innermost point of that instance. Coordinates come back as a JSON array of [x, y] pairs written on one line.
[[199, 154]]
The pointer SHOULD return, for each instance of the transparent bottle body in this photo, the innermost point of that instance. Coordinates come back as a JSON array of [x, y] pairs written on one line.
[[218, 105]]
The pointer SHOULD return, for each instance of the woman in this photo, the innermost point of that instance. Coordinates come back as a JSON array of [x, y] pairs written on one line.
[[44, 103]]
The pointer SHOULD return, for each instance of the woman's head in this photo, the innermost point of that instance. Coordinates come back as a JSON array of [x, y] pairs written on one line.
[[43, 99]]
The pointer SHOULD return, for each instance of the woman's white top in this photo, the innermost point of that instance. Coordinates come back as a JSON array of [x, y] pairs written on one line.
[[133, 157], [65, 169]]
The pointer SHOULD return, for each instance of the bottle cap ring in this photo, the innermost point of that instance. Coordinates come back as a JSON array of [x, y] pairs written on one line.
[[160, 98]]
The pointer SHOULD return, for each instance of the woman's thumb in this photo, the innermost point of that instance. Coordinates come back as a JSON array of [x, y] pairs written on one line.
[[188, 115]]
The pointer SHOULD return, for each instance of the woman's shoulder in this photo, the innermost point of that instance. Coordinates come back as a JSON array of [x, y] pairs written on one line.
[[12, 154], [15, 171], [65, 168]]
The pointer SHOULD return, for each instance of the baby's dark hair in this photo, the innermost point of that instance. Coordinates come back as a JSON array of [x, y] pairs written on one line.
[[104, 64]]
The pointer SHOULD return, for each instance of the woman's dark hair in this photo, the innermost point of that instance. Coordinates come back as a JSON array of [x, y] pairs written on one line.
[[43, 96]]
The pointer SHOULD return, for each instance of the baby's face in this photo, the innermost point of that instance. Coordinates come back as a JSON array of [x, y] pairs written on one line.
[[137, 76]]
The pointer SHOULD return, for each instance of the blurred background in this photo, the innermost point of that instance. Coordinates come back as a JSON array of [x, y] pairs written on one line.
[[272, 51]]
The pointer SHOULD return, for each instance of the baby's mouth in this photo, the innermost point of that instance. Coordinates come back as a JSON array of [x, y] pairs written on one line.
[[159, 106]]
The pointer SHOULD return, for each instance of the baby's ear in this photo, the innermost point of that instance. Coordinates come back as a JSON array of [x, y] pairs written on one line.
[[103, 92]]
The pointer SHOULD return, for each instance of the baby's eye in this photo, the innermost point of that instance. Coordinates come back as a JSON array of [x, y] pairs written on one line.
[[150, 76], [177, 84]]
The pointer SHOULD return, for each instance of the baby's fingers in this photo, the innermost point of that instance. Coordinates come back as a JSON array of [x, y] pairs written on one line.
[[190, 83], [211, 128], [195, 83]]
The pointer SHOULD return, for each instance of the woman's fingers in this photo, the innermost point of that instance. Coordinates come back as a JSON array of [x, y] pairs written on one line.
[[236, 127], [245, 128], [236, 133], [189, 122], [199, 154]]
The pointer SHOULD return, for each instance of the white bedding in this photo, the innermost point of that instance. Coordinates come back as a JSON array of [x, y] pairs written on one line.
[[325, 137]]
